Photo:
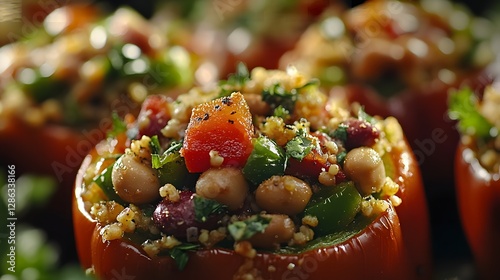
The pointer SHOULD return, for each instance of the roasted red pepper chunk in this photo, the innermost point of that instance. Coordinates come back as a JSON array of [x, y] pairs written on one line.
[[223, 126]]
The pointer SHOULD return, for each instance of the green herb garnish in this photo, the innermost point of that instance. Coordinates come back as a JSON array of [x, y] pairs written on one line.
[[362, 115], [300, 146], [157, 160], [118, 126], [463, 107], [277, 95], [281, 112], [235, 81], [204, 207], [340, 133], [242, 230], [179, 254]]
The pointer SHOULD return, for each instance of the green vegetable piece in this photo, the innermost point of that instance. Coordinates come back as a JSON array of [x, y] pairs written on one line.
[[277, 95], [300, 146], [118, 126], [170, 165], [104, 181], [242, 230], [267, 159], [462, 107], [334, 207], [179, 254], [204, 207]]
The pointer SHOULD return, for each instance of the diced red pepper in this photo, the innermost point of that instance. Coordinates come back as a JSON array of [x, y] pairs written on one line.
[[223, 125]]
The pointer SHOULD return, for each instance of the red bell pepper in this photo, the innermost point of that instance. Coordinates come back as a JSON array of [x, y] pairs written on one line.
[[223, 125], [477, 179]]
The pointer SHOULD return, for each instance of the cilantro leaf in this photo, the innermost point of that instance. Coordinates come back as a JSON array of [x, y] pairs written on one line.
[[341, 158], [118, 126], [340, 133], [157, 160], [204, 207], [300, 146], [235, 81], [362, 115], [462, 107], [276, 95], [179, 254], [281, 112], [242, 230]]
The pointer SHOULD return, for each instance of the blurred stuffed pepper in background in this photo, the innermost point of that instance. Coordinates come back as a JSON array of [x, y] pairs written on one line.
[[224, 32], [477, 173], [401, 58], [264, 176], [60, 84]]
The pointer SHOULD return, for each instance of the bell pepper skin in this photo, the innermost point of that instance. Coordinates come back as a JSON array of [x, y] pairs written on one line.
[[478, 197]]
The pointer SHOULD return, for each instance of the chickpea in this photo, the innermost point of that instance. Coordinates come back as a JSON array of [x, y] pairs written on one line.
[[280, 230], [225, 185], [365, 167], [283, 194], [134, 181]]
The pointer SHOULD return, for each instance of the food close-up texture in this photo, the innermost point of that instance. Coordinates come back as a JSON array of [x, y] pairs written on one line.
[[249, 139]]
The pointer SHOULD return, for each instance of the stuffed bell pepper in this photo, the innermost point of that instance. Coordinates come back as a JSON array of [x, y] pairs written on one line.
[[263, 176], [60, 81], [477, 173], [400, 58]]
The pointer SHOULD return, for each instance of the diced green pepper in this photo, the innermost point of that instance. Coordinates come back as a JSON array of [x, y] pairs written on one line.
[[173, 171], [267, 159], [104, 181], [334, 207]]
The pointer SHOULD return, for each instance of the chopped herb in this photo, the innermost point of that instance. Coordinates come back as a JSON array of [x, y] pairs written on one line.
[[362, 115], [463, 108], [157, 160], [179, 254], [276, 95], [204, 207], [155, 145], [300, 146], [235, 81], [341, 158], [242, 230], [340, 133], [118, 126], [281, 112]]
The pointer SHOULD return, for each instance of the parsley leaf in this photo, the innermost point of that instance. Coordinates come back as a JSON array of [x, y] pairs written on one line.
[[300, 146], [242, 230], [157, 160], [462, 107], [276, 95], [118, 126], [179, 254], [204, 207], [281, 112], [362, 115], [341, 158], [340, 133], [235, 81]]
